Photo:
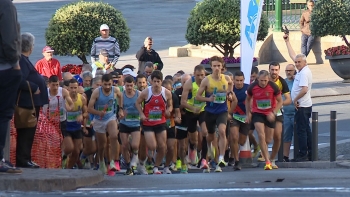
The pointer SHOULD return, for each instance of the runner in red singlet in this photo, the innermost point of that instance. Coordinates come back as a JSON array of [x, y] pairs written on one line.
[[158, 106]]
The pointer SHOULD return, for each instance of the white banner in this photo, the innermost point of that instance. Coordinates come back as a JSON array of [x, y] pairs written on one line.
[[250, 19]]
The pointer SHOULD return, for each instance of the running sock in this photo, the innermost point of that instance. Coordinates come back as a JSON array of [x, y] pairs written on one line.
[[204, 148], [82, 156], [221, 157], [136, 152], [128, 165]]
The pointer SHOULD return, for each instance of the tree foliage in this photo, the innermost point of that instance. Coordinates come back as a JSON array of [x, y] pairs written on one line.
[[74, 26], [331, 17], [217, 23]]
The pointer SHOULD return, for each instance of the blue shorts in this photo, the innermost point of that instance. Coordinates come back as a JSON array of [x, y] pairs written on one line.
[[288, 126]]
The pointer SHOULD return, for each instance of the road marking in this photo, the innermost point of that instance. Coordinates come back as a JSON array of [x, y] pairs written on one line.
[[144, 191]]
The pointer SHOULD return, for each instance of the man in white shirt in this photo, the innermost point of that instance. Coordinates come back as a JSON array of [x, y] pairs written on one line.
[[303, 104], [301, 99]]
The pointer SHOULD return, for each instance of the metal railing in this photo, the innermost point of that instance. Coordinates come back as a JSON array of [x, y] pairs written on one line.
[[284, 12]]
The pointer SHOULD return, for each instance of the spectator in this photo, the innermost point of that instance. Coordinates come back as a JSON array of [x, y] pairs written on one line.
[[25, 136], [10, 73], [49, 66], [301, 99], [105, 41], [288, 114], [102, 63], [149, 68], [147, 54], [87, 78], [307, 39]]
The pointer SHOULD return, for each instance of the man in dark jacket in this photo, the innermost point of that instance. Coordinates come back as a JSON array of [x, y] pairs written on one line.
[[10, 74], [147, 54]]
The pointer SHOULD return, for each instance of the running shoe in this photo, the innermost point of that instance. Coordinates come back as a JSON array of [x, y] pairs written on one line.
[[117, 165], [166, 170], [231, 162], [112, 166], [273, 164], [237, 166], [204, 164], [178, 164], [110, 172], [211, 151], [172, 167], [256, 151], [141, 169], [134, 160], [268, 166], [222, 163], [184, 169], [260, 158], [156, 171], [212, 164], [218, 168], [129, 172], [149, 167], [102, 167]]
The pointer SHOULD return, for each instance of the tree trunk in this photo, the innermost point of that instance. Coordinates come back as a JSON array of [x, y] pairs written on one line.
[[231, 50], [83, 59], [346, 40]]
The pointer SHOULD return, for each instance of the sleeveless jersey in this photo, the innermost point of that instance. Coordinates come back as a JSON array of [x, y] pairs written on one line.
[[132, 116], [56, 106], [219, 88], [240, 112], [72, 124], [155, 107], [106, 104], [191, 100]]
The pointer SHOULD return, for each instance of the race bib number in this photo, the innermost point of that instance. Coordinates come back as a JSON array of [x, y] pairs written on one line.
[[56, 113], [220, 98], [240, 118], [72, 116], [132, 117], [155, 115], [263, 104]]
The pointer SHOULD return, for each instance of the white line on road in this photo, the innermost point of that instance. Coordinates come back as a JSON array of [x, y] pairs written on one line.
[[143, 191]]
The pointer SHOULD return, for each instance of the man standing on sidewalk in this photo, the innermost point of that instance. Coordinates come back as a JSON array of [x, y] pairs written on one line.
[[307, 39], [146, 53], [303, 104], [10, 74]]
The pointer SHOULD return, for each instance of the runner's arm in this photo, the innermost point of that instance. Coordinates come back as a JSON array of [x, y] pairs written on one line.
[[119, 96], [201, 89], [85, 112], [140, 99], [68, 100], [234, 103], [279, 103], [92, 101], [184, 97], [169, 100]]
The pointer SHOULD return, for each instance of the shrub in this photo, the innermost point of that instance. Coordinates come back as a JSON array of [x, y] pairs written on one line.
[[331, 17], [217, 24], [74, 26]]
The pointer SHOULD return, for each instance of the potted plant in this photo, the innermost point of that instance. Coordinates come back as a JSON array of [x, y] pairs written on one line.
[[332, 18], [220, 28]]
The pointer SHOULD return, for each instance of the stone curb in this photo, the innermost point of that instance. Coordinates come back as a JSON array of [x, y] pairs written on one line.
[[344, 164], [324, 92], [315, 165], [46, 180]]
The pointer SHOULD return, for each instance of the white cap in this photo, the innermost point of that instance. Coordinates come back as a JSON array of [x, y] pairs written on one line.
[[103, 27], [128, 71]]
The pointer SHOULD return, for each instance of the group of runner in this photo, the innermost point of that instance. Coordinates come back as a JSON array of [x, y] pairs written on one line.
[[164, 125]]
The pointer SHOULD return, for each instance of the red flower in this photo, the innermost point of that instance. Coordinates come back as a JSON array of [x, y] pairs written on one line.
[[338, 50]]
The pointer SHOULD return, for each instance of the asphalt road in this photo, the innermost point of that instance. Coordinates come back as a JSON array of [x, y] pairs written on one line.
[[281, 182]]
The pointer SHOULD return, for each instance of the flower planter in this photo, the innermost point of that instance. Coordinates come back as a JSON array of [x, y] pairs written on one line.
[[341, 66], [230, 67]]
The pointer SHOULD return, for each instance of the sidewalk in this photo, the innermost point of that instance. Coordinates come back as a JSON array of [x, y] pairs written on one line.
[[45, 180]]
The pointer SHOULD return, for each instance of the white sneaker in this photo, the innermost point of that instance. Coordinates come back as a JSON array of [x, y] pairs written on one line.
[[218, 168], [172, 167], [141, 169], [134, 160], [87, 165], [166, 170]]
